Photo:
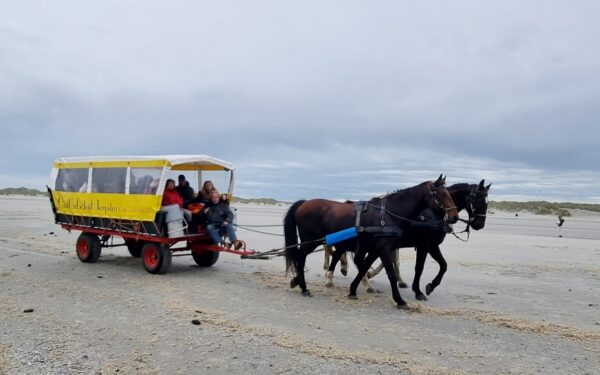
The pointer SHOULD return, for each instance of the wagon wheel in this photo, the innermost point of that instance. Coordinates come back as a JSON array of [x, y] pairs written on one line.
[[88, 247], [134, 247], [205, 258], [156, 258]]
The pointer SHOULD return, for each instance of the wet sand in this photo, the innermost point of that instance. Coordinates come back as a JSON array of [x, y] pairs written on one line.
[[516, 299]]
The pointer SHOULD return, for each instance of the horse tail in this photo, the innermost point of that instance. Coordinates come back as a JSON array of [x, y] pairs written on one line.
[[291, 237]]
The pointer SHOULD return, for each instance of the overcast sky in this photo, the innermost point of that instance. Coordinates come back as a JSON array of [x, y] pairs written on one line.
[[335, 99]]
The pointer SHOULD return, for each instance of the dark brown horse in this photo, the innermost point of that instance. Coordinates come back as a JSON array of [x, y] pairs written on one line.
[[316, 218], [426, 239]]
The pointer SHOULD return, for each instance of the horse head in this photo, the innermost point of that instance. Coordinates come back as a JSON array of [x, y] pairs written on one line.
[[477, 204], [440, 199]]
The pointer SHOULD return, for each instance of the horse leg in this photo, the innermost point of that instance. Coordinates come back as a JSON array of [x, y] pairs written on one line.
[[421, 256], [299, 279], [375, 271], [327, 251], [371, 274], [396, 259], [337, 254], [344, 260], [386, 259], [370, 288], [362, 271], [437, 255]]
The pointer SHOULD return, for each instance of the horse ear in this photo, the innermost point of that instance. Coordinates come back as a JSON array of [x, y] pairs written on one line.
[[439, 181], [488, 187], [481, 184]]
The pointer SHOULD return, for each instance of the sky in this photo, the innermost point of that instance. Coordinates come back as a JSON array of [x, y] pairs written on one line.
[[332, 99]]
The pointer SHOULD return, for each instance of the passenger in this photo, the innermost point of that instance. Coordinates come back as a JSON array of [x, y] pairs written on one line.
[[185, 190], [171, 196], [225, 198], [220, 219], [204, 194]]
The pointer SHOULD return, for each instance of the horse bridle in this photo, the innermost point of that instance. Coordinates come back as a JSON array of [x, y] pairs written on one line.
[[472, 215], [471, 208], [436, 200]]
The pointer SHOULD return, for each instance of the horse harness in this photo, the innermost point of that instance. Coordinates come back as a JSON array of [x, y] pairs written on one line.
[[472, 215], [378, 231], [384, 230]]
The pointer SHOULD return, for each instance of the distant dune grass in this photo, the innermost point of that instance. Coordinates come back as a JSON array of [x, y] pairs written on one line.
[[21, 191], [543, 207]]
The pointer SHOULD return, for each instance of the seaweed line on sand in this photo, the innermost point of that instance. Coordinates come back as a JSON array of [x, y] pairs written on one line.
[[536, 267], [6, 362], [518, 324], [299, 344], [483, 316]]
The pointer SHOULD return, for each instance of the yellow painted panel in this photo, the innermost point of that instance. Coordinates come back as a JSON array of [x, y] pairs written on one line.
[[114, 206]]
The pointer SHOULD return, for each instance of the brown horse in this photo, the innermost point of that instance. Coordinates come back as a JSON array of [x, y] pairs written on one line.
[[426, 240], [392, 214]]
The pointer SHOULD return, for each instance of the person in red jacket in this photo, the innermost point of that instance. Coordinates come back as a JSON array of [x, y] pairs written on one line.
[[171, 196]]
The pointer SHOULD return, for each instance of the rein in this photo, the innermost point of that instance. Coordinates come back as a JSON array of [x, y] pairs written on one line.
[[384, 210], [472, 217], [467, 230]]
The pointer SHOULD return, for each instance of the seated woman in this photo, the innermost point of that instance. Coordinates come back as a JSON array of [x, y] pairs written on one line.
[[219, 221], [171, 196], [204, 193]]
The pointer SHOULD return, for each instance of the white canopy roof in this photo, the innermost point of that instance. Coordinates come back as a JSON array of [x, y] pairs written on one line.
[[198, 161]]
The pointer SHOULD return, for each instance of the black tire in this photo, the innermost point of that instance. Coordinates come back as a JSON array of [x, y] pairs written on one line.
[[134, 247], [156, 258], [88, 247], [206, 258]]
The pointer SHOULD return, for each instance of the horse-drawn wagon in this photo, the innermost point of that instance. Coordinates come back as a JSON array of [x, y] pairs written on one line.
[[120, 197]]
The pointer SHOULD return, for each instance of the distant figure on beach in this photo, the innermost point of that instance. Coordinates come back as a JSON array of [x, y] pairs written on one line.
[[560, 221]]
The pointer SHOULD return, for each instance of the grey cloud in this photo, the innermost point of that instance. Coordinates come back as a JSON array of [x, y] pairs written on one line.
[[311, 98]]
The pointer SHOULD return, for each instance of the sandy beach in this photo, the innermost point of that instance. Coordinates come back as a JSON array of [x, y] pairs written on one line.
[[516, 300]]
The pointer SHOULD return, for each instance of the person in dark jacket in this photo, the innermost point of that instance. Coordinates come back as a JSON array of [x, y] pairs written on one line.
[[185, 190], [204, 193], [220, 220], [560, 221]]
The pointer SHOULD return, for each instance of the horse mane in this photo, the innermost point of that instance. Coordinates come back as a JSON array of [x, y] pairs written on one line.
[[460, 186], [407, 190]]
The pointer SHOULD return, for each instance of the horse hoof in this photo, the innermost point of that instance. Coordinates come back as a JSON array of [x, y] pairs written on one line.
[[404, 306], [293, 283], [329, 284], [421, 297], [428, 289], [352, 297], [306, 293], [369, 275], [402, 285], [344, 272]]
